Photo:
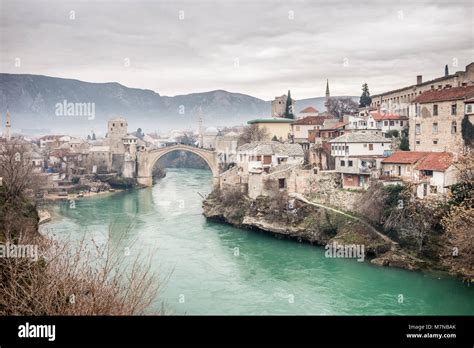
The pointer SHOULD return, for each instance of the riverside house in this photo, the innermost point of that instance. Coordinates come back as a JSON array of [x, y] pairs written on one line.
[[432, 172], [358, 157], [261, 156]]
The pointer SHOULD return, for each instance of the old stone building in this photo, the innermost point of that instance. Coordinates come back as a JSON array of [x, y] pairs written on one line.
[[398, 100], [279, 105], [117, 128], [435, 124]]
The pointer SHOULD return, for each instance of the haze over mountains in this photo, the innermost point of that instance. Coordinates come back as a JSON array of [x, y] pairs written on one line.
[[33, 103]]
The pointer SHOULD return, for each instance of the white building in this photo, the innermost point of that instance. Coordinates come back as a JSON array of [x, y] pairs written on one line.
[[432, 172], [258, 157], [358, 157]]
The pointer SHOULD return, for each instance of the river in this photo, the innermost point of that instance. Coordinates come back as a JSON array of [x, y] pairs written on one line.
[[215, 268]]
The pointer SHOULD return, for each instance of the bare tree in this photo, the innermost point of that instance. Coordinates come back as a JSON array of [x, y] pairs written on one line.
[[16, 170], [252, 133], [342, 106]]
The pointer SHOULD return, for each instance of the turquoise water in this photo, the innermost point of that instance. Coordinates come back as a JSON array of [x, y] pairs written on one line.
[[213, 268]]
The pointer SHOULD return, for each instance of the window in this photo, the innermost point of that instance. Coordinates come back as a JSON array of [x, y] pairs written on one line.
[[433, 189], [454, 127], [469, 108], [417, 128], [371, 147], [385, 123], [343, 163], [453, 109], [349, 163], [401, 123], [435, 128], [281, 183], [435, 110], [121, 124], [347, 150], [435, 142], [392, 123], [417, 142]]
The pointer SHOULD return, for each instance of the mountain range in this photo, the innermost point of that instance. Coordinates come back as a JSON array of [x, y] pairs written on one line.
[[40, 104]]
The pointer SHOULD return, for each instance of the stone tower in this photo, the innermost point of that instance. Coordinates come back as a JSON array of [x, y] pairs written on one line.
[[7, 134], [116, 130], [130, 143], [326, 103]]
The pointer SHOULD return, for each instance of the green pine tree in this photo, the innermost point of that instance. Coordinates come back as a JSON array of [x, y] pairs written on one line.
[[289, 107], [467, 131], [365, 98]]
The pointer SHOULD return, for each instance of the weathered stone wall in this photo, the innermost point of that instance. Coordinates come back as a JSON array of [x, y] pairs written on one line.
[[325, 188]]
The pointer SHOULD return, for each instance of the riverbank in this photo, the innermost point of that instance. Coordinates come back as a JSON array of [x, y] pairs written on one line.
[[57, 197], [298, 218]]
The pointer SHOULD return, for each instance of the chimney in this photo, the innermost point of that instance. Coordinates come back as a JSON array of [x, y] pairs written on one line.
[[419, 79]]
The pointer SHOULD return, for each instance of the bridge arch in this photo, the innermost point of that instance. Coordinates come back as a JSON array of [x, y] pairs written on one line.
[[147, 160]]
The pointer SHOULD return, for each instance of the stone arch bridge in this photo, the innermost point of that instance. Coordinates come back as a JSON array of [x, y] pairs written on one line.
[[146, 161]]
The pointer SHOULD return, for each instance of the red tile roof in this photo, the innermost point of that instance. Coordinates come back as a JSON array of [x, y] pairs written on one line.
[[312, 120], [405, 157], [339, 125], [446, 94], [380, 116], [309, 110], [437, 161]]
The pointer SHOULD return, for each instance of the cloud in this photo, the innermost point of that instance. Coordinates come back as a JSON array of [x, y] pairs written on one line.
[[256, 47]]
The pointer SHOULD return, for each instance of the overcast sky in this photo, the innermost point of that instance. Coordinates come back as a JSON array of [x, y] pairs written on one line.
[[259, 47]]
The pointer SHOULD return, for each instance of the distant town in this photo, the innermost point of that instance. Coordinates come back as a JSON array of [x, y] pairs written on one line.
[[414, 134]]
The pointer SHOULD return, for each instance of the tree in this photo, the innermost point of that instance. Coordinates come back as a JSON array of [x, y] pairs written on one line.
[[446, 71], [93, 136], [17, 171], [365, 98], [253, 133], [342, 106], [89, 137], [289, 113], [404, 143], [187, 139], [467, 131], [140, 133]]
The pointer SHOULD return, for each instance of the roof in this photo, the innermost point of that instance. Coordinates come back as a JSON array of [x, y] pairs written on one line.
[[211, 131], [405, 157], [381, 116], [272, 148], [445, 94], [271, 120], [309, 110], [436, 161], [130, 136], [338, 125], [360, 138], [438, 79], [312, 120], [99, 148]]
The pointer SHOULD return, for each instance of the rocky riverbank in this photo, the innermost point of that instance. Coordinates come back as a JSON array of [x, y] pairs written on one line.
[[292, 218]]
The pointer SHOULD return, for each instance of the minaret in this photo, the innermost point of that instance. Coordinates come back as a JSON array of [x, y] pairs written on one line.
[[326, 104], [7, 134], [200, 127]]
